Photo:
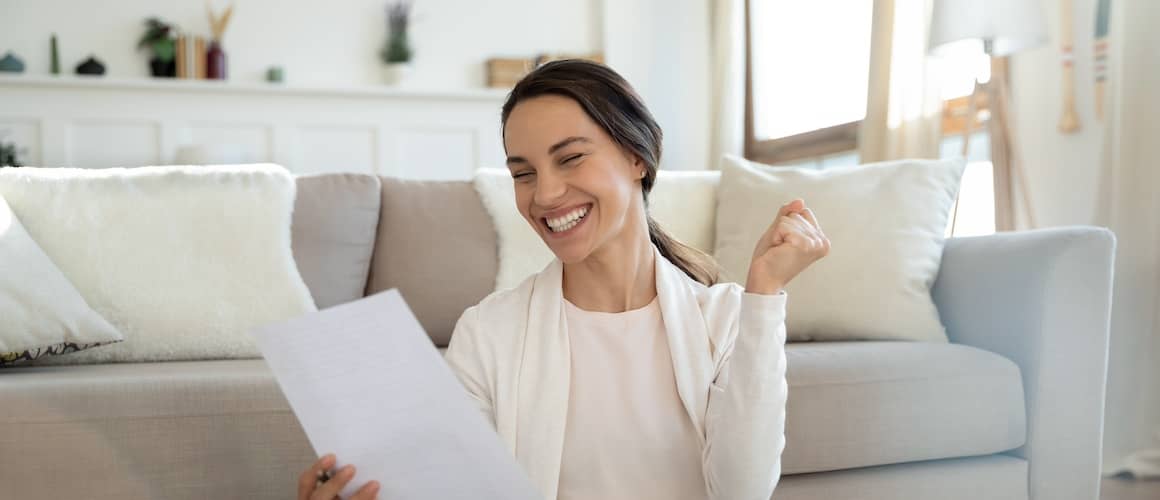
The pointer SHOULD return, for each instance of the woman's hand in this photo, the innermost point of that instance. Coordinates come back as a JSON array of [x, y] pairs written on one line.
[[791, 244], [309, 487]]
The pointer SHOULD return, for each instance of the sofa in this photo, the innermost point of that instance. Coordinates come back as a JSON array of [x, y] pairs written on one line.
[[1010, 408]]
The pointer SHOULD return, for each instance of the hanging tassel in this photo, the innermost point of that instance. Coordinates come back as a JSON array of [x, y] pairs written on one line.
[[1103, 11], [1069, 120]]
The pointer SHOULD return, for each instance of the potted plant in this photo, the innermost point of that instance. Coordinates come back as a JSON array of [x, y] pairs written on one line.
[[397, 52], [160, 39], [9, 155]]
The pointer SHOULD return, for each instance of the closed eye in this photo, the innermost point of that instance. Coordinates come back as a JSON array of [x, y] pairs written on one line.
[[572, 158]]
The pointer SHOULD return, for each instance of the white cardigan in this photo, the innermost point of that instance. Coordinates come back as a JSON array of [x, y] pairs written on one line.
[[728, 347]]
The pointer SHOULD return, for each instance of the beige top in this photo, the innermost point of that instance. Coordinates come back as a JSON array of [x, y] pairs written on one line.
[[627, 435], [512, 354]]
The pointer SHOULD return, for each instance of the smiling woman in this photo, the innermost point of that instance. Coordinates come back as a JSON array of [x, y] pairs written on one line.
[[576, 113], [623, 370]]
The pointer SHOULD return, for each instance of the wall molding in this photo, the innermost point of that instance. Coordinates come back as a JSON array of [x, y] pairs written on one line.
[[411, 133]]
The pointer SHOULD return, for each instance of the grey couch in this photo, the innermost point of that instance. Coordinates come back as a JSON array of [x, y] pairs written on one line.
[[1010, 409]]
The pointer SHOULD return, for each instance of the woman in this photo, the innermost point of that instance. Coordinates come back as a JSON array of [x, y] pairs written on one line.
[[622, 370]]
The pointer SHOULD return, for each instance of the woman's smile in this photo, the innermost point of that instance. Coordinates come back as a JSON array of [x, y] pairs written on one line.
[[565, 223]]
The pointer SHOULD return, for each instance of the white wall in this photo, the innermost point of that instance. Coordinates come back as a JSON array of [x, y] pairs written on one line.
[[324, 43], [662, 47], [1064, 168]]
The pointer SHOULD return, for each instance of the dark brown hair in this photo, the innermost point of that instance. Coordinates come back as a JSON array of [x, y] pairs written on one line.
[[613, 104]]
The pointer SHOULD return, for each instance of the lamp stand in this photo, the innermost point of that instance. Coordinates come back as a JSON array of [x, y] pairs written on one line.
[[1007, 167]]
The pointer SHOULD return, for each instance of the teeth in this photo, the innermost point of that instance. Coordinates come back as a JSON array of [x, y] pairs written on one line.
[[568, 221]]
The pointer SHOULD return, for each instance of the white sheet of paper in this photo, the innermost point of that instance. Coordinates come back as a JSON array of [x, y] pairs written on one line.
[[368, 385]]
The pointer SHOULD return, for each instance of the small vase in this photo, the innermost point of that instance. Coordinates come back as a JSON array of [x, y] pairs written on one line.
[[215, 61], [11, 64], [395, 73]]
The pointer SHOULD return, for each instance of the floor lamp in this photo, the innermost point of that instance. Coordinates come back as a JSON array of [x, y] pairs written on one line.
[[1004, 27]]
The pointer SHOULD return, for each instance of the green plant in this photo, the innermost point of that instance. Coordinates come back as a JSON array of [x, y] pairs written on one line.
[[159, 37], [398, 47], [9, 155]]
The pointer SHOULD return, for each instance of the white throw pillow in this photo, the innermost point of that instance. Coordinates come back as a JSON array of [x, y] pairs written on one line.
[[886, 222], [683, 203], [41, 314], [183, 260]]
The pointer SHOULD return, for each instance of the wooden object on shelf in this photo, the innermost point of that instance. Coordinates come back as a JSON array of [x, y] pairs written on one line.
[[199, 56], [506, 72], [182, 57]]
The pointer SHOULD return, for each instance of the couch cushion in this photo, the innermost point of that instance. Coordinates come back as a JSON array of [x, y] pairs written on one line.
[[992, 477], [333, 234], [436, 244], [182, 260], [177, 430], [227, 431], [859, 404]]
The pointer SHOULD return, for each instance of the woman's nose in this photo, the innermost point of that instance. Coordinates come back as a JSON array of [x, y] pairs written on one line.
[[549, 189]]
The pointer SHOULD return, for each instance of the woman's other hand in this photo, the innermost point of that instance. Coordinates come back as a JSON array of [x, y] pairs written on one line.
[[793, 241], [311, 487]]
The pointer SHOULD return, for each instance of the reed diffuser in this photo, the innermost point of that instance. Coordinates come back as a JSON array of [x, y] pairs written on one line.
[[216, 56]]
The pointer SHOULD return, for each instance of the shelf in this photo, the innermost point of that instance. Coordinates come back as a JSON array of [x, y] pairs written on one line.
[[226, 87]]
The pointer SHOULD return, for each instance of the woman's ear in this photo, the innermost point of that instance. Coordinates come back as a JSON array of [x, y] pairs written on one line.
[[638, 167]]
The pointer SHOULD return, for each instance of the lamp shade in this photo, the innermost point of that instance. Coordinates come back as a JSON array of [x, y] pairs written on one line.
[[1010, 25]]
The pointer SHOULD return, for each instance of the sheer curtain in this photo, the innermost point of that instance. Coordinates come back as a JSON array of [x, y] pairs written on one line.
[[727, 102], [1130, 206], [904, 106]]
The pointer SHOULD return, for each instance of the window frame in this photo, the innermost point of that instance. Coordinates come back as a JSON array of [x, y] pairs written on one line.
[[814, 143], [837, 138]]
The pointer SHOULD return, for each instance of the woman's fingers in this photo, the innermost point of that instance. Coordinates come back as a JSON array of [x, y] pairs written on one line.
[[369, 491], [809, 215], [330, 489], [807, 227], [309, 477]]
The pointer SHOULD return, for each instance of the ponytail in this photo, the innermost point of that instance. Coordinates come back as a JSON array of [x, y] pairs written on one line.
[[695, 263]]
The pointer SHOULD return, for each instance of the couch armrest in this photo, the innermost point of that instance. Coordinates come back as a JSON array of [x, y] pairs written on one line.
[[1043, 300]]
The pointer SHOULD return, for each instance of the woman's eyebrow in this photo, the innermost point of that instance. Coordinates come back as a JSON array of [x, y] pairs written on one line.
[[557, 146], [512, 160]]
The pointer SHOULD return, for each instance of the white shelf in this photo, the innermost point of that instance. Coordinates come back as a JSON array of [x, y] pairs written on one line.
[[227, 87]]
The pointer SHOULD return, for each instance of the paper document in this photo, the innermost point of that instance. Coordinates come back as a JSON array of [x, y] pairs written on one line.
[[368, 385]]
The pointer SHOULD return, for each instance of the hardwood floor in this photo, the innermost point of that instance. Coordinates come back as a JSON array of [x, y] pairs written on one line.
[[1114, 488]]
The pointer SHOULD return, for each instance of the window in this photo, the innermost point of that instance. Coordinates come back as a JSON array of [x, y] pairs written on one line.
[[809, 71], [809, 68]]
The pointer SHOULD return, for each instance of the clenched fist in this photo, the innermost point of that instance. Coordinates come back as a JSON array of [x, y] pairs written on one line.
[[791, 244]]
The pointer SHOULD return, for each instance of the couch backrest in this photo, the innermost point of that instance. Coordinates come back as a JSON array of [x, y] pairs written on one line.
[[333, 234], [437, 245], [356, 234]]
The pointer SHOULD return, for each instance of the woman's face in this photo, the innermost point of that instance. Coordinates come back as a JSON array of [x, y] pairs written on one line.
[[576, 187]]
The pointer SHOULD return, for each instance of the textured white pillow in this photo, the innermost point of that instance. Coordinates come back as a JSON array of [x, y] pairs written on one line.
[[183, 260], [683, 203], [886, 222], [41, 314]]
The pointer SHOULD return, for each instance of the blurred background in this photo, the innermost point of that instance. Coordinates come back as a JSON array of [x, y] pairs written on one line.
[[1051, 102]]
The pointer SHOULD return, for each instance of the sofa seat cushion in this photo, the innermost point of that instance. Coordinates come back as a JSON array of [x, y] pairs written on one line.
[[162, 430], [177, 430], [860, 404]]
